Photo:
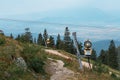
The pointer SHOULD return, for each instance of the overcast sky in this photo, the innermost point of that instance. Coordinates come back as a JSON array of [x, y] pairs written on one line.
[[82, 11], [105, 14]]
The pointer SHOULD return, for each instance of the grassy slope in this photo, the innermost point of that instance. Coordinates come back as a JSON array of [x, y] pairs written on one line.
[[9, 71]]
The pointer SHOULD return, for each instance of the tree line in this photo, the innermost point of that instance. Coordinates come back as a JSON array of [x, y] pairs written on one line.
[[46, 40], [108, 57], [111, 56]]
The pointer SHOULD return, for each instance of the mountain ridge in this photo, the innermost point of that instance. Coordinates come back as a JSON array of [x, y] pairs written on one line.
[[103, 44]]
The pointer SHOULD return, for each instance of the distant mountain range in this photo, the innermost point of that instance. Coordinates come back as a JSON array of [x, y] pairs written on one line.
[[103, 44]]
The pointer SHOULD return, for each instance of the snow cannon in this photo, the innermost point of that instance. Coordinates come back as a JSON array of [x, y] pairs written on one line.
[[48, 41], [87, 48]]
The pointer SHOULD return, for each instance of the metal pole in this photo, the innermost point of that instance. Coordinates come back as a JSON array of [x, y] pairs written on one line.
[[89, 62], [78, 53]]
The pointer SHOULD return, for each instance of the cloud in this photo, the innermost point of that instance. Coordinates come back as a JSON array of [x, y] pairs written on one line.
[[91, 12], [109, 5], [29, 6]]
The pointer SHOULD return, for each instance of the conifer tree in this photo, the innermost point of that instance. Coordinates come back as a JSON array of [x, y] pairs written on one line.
[[11, 36], [51, 42], [118, 51], [27, 37], [67, 40], [1, 32], [18, 37], [68, 44], [35, 41], [80, 48], [72, 48], [103, 56], [93, 55], [58, 42], [45, 37], [61, 45], [40, 39], [112, 55]]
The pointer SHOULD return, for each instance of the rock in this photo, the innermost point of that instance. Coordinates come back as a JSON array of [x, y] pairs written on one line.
[[7, 75], [21, 63]]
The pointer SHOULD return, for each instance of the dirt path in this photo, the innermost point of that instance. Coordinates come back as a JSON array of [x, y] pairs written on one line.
[[58, 72], [64, 56], [56, 53]]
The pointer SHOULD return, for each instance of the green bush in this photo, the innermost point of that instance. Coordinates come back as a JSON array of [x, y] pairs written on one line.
[[115, 77], [10, 72], [36, 64], [97, 66], [13, 72], [34, 60], [2, 41]]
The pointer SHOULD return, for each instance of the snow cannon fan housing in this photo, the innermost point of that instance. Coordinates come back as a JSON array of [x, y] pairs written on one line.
[[87, 44]]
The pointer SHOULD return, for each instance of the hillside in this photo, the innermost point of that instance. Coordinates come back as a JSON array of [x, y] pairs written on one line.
[[38, 64]]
